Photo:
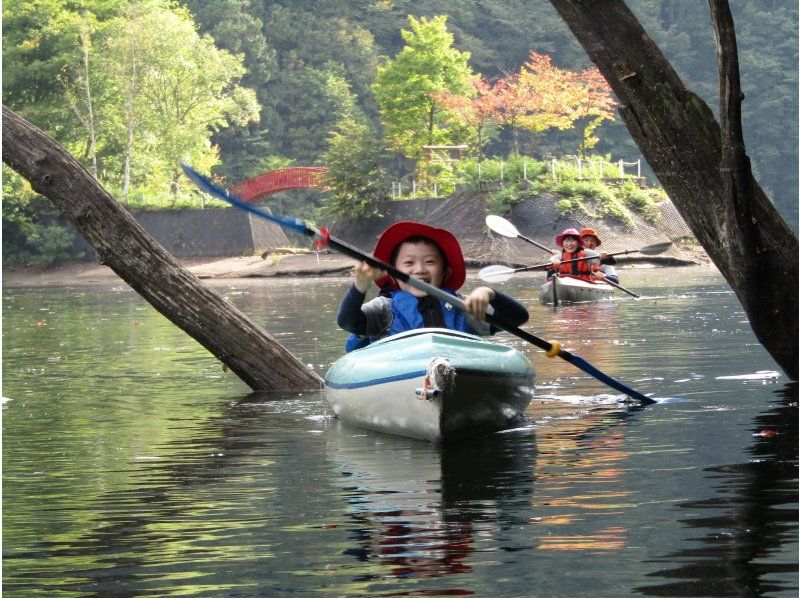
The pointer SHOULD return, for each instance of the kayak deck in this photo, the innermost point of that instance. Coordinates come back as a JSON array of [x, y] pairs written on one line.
[[571, 289], [432, 384]]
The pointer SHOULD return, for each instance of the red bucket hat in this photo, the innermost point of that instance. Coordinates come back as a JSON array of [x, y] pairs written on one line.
[[400, 231], [591, 232], [570, 232]]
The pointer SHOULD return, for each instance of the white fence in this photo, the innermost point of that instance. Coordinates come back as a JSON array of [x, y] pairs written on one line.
[[587, 169], [413, 188], [601, 167]]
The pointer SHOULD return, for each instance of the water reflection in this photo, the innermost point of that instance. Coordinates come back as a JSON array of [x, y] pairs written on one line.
[[752, 517], [582, 495], [133, 465], [419, 511]]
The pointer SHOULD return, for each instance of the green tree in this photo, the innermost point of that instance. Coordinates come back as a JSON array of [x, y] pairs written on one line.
[[78, 78], [592, 103], [331, 45], [324, 99], [355, 175], [188, 91], [406, 88], [477, 111], [143, 90], [40, 38], [238, 27]]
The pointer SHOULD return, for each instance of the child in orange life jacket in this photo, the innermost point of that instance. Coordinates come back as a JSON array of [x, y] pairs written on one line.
[[591, 241], [571, 248], [434, 256]]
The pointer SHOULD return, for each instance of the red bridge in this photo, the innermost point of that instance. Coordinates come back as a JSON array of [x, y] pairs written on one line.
[[298, 177]]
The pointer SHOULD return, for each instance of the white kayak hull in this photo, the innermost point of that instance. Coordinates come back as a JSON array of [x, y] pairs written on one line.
[[569, 289], [432, 384]]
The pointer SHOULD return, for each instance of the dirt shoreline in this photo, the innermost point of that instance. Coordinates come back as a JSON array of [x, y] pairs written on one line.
[[271, 266]]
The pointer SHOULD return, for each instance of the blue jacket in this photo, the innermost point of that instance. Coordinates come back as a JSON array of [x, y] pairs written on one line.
[[408, 317], [354, 342]]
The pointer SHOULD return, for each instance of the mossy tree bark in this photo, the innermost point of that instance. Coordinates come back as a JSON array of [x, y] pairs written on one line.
[[701, 162], [123, 245]]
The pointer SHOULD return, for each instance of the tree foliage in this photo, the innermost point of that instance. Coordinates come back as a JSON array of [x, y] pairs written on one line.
[[477, 109], [406, 87], [296, 51], [355, 176], [592, 104], [551, 93], [131, 88]]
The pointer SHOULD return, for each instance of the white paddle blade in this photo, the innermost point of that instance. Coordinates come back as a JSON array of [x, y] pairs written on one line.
[[655, 249], [501, 226], [495, 273]]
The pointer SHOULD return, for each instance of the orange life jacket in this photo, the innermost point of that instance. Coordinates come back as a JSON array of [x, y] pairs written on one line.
[[580, 269]]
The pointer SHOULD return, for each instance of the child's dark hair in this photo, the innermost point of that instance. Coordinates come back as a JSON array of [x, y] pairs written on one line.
[[414, 241]]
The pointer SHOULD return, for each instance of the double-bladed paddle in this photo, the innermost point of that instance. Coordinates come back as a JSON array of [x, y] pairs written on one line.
[[500, 273], [503, 227], [323, 238]]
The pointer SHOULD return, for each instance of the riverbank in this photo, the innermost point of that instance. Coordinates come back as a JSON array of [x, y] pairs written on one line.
[[271, 265]]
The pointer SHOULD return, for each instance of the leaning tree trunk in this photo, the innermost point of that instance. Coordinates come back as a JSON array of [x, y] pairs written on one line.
[[704, 169], [123, 245]]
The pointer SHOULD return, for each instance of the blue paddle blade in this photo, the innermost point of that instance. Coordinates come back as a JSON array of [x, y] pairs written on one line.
[[587, 367], [204, 184]]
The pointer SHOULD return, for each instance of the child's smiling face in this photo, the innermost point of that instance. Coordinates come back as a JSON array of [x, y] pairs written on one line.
[[423, 261], [570, 244]]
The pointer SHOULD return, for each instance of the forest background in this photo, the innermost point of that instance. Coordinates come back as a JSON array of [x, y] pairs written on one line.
[[242, 87]]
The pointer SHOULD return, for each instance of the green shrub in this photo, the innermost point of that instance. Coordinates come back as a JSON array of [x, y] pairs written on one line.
[[577, 188], [568, 205], [643, 201], [610, 206], [52, 243], [30, 234], [501, 200], [514, 169], [144, 199]]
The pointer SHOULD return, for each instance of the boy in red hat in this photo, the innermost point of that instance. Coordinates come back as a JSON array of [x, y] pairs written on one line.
[[571, 248], [591, 241], [434, 256]]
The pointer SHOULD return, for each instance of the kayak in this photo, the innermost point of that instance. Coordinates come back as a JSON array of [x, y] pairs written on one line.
[[570, 289], [431, 383]]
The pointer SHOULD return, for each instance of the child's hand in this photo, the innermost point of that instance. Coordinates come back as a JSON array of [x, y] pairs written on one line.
[[364, 275], [598, 275], [478, 301]]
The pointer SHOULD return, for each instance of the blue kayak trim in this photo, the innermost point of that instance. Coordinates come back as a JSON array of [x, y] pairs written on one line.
[[376, 381], [418, 374]]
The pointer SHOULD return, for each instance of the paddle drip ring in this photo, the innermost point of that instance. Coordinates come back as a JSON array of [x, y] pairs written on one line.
[[555, 349]]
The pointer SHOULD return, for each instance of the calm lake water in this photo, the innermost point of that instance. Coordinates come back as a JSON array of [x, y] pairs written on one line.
[[133, 464]]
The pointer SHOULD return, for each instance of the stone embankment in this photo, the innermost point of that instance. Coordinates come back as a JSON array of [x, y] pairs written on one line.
[[248, 247]]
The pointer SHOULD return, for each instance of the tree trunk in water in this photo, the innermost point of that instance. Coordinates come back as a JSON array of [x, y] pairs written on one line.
[[703, 169], [123, 245]]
